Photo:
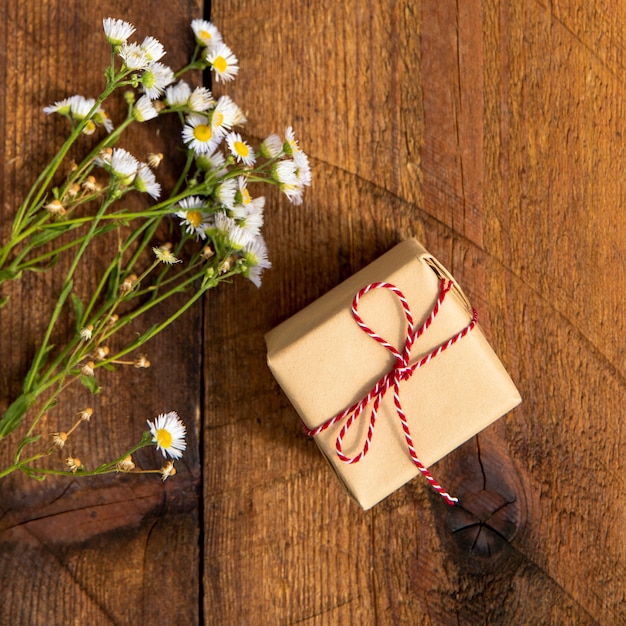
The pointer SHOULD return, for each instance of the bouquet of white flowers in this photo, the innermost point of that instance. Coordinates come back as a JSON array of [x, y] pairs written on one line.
[[219, 236]]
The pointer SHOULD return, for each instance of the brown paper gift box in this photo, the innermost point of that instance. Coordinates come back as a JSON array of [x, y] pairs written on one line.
[[325, 363]]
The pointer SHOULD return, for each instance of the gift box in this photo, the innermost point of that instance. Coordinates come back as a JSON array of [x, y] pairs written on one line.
[[390, 372]]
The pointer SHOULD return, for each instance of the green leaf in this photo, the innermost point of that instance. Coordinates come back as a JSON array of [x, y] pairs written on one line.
[[50, 263], [146, 336], [23, 444], [14, 414], [78, 310], [90, 383], [47, 234], [6, 275]]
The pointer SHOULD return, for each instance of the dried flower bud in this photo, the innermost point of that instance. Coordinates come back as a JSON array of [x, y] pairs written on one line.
[[73, 463], [85, 414], [72, 191], [91, 184], [207, 252], [101, 353], [55, 208], [85, 333], [105, 155], [113, 319], [142, 362], [154, 159], [87, 369], [126, 464], [128, 285], [58, 440], [167, 470]]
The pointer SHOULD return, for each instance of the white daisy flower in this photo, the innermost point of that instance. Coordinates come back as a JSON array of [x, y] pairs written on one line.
[[237, 236], [240, 149], [101, 117], [117, 31], [144, 110], [153, 49], [178, 95], [222, 61], [225, 192], [80, 106], [62, 107], [123, 165], [146, 182], [226, 114], [198, 134], [271, 147], [243, 195], [168, 432], [201, 99], [214, 162], [285, 172], [134, 56], [250, 216], [155, 79], [255, 258], [294, 193], [194, 220], [206, 33], [291, 141], [303, 169]]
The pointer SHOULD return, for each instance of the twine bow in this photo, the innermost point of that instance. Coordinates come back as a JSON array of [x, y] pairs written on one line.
[[400, 371]]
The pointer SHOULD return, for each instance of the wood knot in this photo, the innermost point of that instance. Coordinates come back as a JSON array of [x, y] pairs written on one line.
[[491, 506]]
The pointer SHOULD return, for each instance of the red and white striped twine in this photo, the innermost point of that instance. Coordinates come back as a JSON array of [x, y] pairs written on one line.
[[401, 370]]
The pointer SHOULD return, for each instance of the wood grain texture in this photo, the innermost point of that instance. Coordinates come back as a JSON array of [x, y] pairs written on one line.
[[493, 131], [96, 551]]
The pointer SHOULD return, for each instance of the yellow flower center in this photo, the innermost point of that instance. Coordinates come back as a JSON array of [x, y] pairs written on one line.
[[245, 197], [202, 132], [218, 119], [220, 65], [164, 438], [204, 35], [241, 149], [194, 218]]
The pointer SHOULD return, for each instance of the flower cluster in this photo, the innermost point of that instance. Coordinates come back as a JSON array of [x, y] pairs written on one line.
[[215, 204]]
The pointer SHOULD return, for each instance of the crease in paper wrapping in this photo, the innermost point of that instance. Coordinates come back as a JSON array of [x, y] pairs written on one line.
[[325, 363]]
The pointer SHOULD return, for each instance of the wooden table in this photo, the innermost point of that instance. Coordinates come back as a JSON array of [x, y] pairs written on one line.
[[494, 132]]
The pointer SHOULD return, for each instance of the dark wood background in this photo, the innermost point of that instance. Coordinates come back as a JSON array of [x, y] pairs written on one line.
[[493, 131]]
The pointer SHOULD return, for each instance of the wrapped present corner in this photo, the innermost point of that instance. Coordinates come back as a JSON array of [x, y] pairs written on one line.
[[390, 372]]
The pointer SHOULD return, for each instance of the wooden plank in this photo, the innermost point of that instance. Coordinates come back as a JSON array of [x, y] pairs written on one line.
[[102, 550], [491, 131]]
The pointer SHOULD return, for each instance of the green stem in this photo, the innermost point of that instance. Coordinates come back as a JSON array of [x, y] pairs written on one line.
[[65, 292]]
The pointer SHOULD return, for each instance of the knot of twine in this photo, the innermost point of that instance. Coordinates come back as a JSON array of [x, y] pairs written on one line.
[[400, 371]]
